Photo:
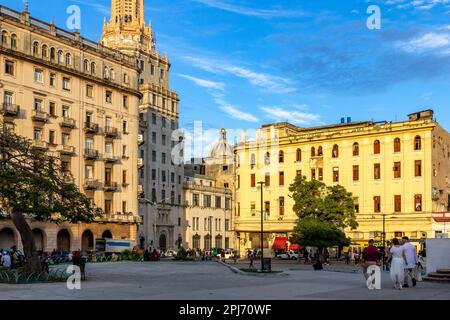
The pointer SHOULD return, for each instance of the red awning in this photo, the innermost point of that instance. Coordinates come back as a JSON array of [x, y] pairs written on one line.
[[295, 247], [280, 243]]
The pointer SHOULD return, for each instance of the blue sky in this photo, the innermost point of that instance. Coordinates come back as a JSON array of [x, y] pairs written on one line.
[[242, 63]]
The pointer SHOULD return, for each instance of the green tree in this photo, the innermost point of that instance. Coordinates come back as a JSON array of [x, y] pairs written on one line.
[[33, 186], [323, 211]]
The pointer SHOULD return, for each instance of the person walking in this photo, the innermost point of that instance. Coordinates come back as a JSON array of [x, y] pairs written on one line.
[[411, 261], [397, 271], [6, 260], [370, 257], [306, 256], [251, 258]]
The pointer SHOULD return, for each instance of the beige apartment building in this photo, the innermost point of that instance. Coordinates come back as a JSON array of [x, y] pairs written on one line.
[[78, 99], [208, 190], [398, 173]]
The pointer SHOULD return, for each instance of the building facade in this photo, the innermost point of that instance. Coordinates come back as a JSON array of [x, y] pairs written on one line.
[[78, 99], [398, 173], [161, 166], [208, 193]]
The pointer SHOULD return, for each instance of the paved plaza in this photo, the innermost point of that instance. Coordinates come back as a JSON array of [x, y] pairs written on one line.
[[211, 280]]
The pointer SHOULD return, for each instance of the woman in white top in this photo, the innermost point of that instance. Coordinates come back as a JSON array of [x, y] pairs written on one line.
[[397, 264]]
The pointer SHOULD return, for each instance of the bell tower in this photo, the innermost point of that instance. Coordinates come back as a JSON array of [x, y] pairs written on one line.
[[126, 30]]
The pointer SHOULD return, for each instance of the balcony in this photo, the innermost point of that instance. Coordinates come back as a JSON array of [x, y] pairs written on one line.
[[91, 154], [111, 186], [68, 123], [91, 184], [111, 132], [11, 110], [67, 150], [40, 145], [90, 127], [110, 158], [39, 116], [140, 162], [140, 139]]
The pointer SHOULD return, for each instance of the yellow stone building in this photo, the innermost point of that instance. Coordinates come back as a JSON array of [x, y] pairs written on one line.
[[80, 100], [397, 172]]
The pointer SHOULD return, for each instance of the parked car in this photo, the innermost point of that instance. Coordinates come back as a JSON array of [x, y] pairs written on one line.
[[170, 253], [289, 255], [228, 254]]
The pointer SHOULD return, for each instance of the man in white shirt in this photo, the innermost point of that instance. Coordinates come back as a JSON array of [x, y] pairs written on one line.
[[411, 261], [6, 260]]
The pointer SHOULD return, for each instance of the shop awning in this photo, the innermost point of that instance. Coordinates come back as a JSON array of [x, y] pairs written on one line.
[[279, 243], [295, 247]]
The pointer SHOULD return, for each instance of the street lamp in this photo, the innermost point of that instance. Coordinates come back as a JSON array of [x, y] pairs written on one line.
[[384, 241], [261, 183]]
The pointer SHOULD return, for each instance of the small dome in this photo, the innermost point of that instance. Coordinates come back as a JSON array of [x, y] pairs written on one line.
[[221, 151]]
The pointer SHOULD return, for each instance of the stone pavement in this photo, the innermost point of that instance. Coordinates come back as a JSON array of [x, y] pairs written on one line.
[[211, 280]]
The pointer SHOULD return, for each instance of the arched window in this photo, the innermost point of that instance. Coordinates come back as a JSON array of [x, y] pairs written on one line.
[[252, 161], [397, 145], [93, 68], [125, 78], [281, 157], [335, 152], [13, 41], [377, 147], [35, 48], [313, 152], [112, 75], [355, 149], [60, 57], [267, 158], [85, 66], [320, 151], [5, 38], [68, 59], [44, 51], [417, 143], [298, 155], [52, 54]]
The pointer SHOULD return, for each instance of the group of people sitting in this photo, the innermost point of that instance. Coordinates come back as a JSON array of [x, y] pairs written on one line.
[[11, 259]]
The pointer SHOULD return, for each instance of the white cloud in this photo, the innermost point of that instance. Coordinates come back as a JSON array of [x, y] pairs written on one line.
[[104, 10], [427, 41], [253, 12], [204, 83], [268, 82], [295, 117], [234, 112]]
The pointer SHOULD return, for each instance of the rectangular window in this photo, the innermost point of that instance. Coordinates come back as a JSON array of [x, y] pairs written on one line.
[[66, 83], [377, 204], [125, 102], [38, 105], [267, 179], [418, 202], [398, 203], [52, 79], [355, 173], [124, 207], [356, 204], [320, 174], [89, 172], [227, 203], [252, 180], [163, 158], [281, 203], [52, 109], [163, 122], [313, 174], [153, 174], [65, 138], [238, 210], [253, 209], [335, 174], [89, 91], [227, 224], [125, 127], [207, 201], [124, 177], [108, 206], [9, 67], [218, 202], [238, 181], [108, 96], [153, 137], [377, 171], [163, 139], [153, 156], [153, 118], [39, 75], [65, 112], [196, 200], [267, 208], [418, 168], [51, 137], [397, 170], [281, 178]]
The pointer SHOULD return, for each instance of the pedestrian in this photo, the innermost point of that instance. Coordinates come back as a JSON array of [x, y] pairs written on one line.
[[386, 256], [222, 255], [410, 263], [6, 260], [235, 257], [251, 257], [370, 257], [397, 271], [306, 256]]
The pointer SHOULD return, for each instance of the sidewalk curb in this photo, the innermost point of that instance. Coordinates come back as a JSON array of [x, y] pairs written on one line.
[[238, 271]]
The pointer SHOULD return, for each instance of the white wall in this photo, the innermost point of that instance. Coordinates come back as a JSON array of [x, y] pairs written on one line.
[[438, 254]]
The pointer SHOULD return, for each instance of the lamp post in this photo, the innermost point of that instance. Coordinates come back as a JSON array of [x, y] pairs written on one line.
[[384, 241], [261, 183]]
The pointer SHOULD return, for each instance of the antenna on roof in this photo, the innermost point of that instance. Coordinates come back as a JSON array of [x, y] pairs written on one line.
[[26, 5]]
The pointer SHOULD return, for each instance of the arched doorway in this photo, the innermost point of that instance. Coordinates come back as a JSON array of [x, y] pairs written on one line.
[[63, 240], [87, 240], [107, 234], [162, 242], [218, 242], [38, 237], [196, 242], [7, 239]]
